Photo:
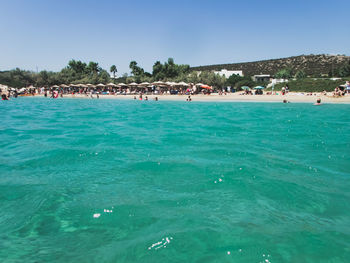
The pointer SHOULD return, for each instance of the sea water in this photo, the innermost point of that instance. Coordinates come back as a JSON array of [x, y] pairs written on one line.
[[144, 181]]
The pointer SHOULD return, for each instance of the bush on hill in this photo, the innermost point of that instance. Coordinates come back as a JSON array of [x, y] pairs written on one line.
[[311, 85]]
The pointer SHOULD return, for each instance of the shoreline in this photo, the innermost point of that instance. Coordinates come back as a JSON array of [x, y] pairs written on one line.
[[232, 97]]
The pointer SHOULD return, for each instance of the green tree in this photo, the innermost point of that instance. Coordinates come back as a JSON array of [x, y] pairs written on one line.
[[300, 74], [344, 71], [113, 70], [93, 67], [193, 77], [103, 77], [284, 74], [135, 69], [42, 78], [169, 70], [77, 66], [233, 79], [245, 82]]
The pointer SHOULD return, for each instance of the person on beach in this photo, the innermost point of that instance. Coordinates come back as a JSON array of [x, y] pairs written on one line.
[[337, 92], [347, 85], [283, 90], [140, 97]]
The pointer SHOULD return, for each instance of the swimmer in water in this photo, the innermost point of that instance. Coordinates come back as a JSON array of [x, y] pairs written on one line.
[[156, 98], [318, 102], [146, 98], [4, 97]]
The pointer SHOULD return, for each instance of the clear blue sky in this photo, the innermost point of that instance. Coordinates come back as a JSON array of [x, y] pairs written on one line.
[[46, 34]]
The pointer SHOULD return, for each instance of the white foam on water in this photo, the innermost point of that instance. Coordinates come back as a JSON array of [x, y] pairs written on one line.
[[161, 244], [96, 215], [265, 260]]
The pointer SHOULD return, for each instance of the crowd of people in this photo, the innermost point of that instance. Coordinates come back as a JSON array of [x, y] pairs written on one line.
[[94, 91], [123, 90], [342, 90]]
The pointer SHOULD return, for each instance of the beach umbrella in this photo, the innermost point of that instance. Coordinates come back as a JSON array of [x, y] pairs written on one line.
[[245, 88], [200, 84], [55, 86], [206, 87], [133, 84], [111, 85], [259, 87], [182, 84], [90, 86], [64, 86], [144, 84], [100, 85], [159, 83], [121, 85]]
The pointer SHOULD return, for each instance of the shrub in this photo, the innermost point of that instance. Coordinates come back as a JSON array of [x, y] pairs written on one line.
[[311, 85]]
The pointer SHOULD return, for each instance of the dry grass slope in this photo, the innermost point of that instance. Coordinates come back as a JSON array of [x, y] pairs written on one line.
[[312, 65]]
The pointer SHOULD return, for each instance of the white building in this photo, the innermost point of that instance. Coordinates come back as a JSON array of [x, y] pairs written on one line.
[[262, 78], [229, 73]]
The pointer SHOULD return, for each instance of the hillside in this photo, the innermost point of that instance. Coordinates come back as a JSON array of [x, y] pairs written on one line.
[[312, 65]]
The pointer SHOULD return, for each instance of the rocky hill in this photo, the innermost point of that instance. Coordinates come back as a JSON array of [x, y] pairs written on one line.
[[312, 65]]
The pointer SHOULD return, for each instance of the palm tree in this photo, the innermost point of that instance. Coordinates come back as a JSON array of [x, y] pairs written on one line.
[[113, 70]]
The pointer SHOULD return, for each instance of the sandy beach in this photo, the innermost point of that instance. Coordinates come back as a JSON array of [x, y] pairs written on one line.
[[290, 97]]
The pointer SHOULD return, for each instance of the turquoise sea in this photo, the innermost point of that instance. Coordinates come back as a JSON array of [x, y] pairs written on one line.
[[129, 181]]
